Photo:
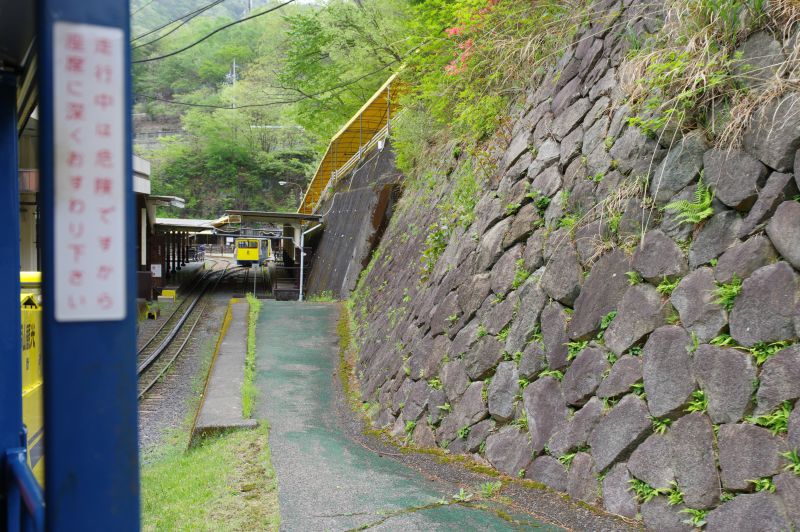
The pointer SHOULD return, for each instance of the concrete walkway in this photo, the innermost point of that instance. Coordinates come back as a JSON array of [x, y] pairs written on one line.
[[222, 404], [326, 481]]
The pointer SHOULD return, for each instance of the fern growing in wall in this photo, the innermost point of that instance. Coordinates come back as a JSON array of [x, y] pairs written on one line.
[[698, 209]]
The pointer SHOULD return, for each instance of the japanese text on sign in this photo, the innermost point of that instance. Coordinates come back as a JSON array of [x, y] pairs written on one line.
[[90, 178]]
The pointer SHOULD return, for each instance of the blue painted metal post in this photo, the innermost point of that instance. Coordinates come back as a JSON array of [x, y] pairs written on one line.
[[11, 431], [92, 480]]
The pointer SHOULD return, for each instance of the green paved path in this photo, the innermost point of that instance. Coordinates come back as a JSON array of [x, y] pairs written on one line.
[[326, 481]]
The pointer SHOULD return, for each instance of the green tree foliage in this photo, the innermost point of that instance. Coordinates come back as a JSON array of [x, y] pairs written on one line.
[[463, 63], [225, 158], [338, 56], [215, 171]]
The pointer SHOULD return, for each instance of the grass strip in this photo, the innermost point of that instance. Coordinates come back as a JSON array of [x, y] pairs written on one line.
[[248, 386], [226, 482]]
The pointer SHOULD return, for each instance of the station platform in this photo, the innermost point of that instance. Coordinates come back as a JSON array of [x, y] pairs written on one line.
[[152, 314], [222, 401], [180, 281]]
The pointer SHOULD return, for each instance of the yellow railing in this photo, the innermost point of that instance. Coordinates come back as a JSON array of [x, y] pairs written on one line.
[[362, 134]]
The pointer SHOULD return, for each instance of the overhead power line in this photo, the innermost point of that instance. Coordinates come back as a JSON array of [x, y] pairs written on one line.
[[221, 28], [224, 107], [340, 86], [142, 7], [176, 28], [190, 14]]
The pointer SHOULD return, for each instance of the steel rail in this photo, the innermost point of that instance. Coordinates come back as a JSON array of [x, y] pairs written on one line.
[[168, 339], [225, 273], [174, 312], [175, 356]]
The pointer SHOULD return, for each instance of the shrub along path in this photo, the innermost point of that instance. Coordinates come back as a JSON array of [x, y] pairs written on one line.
[[326, 480]]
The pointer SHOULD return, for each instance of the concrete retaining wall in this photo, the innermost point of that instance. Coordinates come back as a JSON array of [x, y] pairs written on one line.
[[354, 220]]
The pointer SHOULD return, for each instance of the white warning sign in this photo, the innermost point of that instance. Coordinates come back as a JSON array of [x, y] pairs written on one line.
[[90, 181]]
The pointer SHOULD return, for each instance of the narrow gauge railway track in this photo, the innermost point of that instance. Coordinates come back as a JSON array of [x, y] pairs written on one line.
[[251, 282], [148, 347], [159, 353]]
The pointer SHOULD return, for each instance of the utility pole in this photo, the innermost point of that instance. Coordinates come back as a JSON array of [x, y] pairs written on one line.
[[234, 83], [302, 260]]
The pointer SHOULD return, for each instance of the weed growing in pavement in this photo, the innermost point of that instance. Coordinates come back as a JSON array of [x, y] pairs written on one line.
[[638, 389], [777, 421], [609, 403], [462, 496], [698, 209], [522, 421], [728, 292], [723, 340], [794, 461], [574, 348], [568, 221], [665, 287], [763, 484], [513, 208], [463, 432], [697, 518], [763, 350], [566, 459], [435, 243], [502, 336], [635, 351], [660, 426], [326, 296], [521, 274], [699, 402], [634, 278], [605, 322], [673, 318], [489, 489], [481, 332], [691, 348], [674, 494], [445, 407], [556, 374], [435, 383], [643, 491], [248, 385]]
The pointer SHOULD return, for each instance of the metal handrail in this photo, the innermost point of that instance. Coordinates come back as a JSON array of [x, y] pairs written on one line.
[[382, 134], [23, 482]]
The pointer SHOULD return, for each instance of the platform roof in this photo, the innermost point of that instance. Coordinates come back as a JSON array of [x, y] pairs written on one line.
[[278, 218], [186, 224], [17, 29], [362, 127]]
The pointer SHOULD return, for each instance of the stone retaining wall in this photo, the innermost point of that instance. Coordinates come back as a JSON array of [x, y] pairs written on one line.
[[615, 362]]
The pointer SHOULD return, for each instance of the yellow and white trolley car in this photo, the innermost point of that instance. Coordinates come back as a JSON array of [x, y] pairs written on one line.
[[251, 251]]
